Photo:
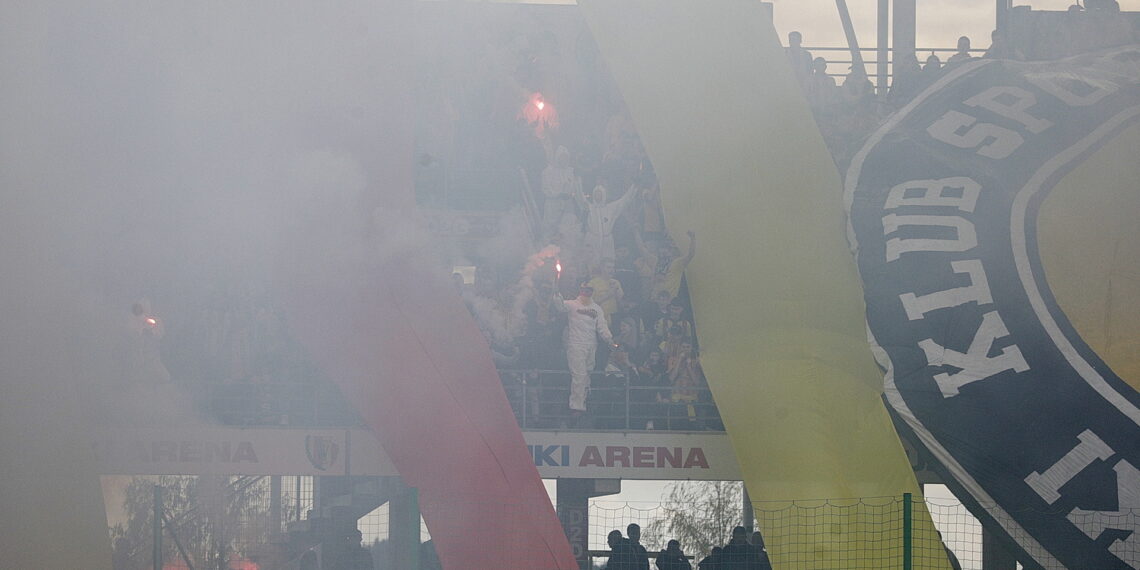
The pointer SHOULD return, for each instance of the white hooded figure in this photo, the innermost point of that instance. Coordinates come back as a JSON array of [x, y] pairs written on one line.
[[598, 241], [142, 354], [586, 321]]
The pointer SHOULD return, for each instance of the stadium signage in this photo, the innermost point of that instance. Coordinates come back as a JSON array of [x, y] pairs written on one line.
[[271, 451], [633, 455], [189, 451], [981, 364], [221, 451], [621, 456]]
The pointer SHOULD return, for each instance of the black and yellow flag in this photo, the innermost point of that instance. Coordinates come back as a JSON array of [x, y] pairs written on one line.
[[773, 285], [994, 218]]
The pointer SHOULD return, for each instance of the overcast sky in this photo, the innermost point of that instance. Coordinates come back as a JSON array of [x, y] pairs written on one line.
[[940, 22]]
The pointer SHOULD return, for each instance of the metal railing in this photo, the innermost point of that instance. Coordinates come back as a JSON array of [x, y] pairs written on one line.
[[844, 61], [539, 399], [243, 403]]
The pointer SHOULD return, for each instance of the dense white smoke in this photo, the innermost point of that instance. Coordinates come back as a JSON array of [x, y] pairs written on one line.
[[152, 149]]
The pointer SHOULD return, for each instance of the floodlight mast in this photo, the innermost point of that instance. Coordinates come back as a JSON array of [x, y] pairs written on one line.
[[849, 31]]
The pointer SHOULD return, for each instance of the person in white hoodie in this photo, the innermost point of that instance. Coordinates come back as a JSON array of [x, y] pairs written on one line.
[[601, 216], [586, 322]]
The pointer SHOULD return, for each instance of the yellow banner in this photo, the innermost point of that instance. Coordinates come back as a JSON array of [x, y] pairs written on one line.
[[774, 288], [1090, 247]]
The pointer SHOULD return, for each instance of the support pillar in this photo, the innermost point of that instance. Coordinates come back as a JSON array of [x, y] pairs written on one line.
[[156, 552], [573, 504], [404, 528], [995, 555], [849, 31], [903, 34], [318, 500], [882, 50], [1002, 14], [747, 515], [274, 505]]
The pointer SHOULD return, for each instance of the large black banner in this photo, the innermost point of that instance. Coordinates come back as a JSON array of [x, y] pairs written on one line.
[[981, 364]]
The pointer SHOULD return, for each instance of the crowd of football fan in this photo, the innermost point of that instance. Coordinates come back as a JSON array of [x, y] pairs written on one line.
[[612, 328], [742, 552]]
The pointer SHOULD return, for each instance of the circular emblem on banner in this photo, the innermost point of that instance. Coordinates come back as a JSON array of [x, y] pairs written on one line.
[[982, 366]]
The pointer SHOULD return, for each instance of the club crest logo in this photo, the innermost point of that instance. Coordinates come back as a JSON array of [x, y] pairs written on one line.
[[322, 451]]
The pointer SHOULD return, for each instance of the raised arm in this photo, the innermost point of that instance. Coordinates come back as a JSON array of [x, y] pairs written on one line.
[[692, 247], [625, 199], [580, 197], [674, 371], [558, 302]]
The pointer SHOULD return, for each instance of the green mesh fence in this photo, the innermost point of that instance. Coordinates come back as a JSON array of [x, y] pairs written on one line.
[[867, 532], [876, 532], [233, 523], [207, 522]]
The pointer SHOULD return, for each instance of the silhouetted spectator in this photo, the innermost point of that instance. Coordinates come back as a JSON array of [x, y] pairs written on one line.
[[757, 541], [931, 69], [355, 556], [714, 561], [621, 553], [821, 90], [672, 558], [640, 556], [1000, 48], [857, 87], [739, 554], [799, 58], [907, 80], [963, 53]]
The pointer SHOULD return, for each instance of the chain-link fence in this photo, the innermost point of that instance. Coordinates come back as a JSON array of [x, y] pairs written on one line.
[[879, 532], [208, 522], [261, 523]]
